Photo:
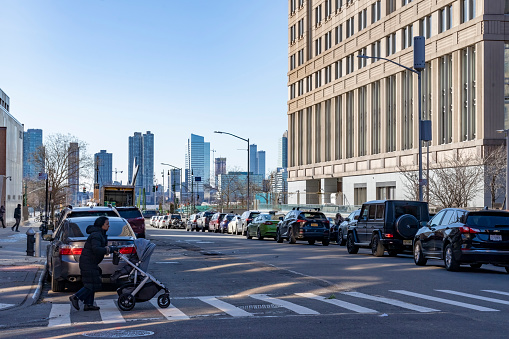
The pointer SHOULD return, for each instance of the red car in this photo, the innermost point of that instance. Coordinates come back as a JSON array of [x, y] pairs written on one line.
[[133, 215], [215, 220]]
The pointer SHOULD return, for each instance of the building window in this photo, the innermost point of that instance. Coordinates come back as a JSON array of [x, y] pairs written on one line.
[[292, 34], [445, 116], [376, 11], [349, 27], [468, 58], [318, 15], [339, 34], [339, 4], [467, 10], [318, 46], [300, 26], [407, 110], [385, 193], [338, 110], [309, 143], [318, 78], [426, 92], [292, 91], [362, 61], [350, 63], [375, 51], [425, 27], [390, 99], [360, 195], [301, 3], [292, 61], [301, 87], [362, 19], [300, 57], [300, 157], [362, 116], [292, 145], [390, 43], [445, 15], [405, 2], [328, 8], [318, 133], [339, 69], [375, 117], [293, 5], [328, 40], [391, 6], [328, 74], [328, 128], [407, 35], [350, 132]]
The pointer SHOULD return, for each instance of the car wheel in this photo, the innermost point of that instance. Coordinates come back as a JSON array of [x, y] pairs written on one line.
[[248, 236], [56, 285], [311, 242], [325, 242], [350, 244], [341, 239], [291, 236], [476, 265], [377, 249], [187, 229], [419, 258], [259, 235], [279, 239], [451, 264]]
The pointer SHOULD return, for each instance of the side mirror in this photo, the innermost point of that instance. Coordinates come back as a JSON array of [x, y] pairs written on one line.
[[47, 237], [423, 223]]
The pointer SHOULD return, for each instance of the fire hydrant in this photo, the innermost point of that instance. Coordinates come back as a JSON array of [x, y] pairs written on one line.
[[30, 242]]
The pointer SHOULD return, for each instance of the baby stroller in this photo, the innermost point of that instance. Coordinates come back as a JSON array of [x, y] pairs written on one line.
[[141, 286]]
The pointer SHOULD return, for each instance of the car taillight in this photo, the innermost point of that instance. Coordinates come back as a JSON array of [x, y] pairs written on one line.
[[469, 230], [127, 250], [267, 223], [67, 250], [389, 235], [248, 220], [301, 220]]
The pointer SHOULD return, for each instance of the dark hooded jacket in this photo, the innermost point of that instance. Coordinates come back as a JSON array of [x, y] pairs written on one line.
[[93, 253]]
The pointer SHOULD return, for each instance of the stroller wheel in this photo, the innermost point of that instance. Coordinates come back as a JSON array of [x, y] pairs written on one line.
[[126, 302], [163, 300]]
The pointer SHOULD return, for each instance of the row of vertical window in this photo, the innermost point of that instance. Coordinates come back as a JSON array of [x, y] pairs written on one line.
[[356, 127]]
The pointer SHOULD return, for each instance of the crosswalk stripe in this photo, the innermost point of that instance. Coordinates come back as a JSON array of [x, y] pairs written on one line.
[[283, 303], [2, 306], [170, 313], [109, 312], [60, 315], [340, 303], [225, 307], [497, 292], [445, 301], [473, 296], [393, 302]]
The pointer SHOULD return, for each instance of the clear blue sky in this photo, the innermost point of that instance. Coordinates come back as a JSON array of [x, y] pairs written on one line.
[[104, 69]]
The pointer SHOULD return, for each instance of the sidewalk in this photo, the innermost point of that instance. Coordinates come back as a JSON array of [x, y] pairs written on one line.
[[20, 274]]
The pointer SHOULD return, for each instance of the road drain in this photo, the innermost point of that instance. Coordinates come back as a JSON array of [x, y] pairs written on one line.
[[257, 307], [118, 334]]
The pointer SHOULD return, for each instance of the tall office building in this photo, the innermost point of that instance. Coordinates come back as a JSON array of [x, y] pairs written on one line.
[[103, 165], [174, 184], [197, 165], [260, 163], [73, 172], [282, 156], [141, 153], [32, 141], [219, 168], [256, 160], [353, 122]]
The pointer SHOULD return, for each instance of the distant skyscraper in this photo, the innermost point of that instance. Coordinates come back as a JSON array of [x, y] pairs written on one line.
[[73, 170], [197, 164], [103, 165], [174, 183], [282, 156], [141, 153], [219, 168], [253, 164], [32, 140], [260, 163]]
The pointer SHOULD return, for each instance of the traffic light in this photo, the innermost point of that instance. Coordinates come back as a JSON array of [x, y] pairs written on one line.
[[153, 188], [84, 190]]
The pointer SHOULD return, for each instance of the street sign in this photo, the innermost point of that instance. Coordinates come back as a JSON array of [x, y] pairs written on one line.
[[197, 178]]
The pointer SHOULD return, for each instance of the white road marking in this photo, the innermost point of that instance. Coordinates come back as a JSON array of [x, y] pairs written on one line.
[[167, 262], [393, 302], [340, 303], [109, 312], [283, 303], [170, 313], [2, 306], [225, 307], [497, 292], [473, 296], [445, 301], [60, 315]]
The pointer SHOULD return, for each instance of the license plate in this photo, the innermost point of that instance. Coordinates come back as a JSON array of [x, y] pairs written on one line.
[[314, 224], [407, 242], [495, 237]]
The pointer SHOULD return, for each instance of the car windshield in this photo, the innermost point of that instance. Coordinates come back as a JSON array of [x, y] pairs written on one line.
[[414, 210], [175, 216], [92, 213], [130, 214], [313, 215], [229, 217], [265, 217], [208, 214], [254, 214], [488, 220], [78, 228]]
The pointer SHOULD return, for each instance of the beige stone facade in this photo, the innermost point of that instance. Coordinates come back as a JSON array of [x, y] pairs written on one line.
[[353, 122]]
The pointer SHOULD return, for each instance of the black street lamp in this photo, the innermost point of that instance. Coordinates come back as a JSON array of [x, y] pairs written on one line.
[[246, 140], [180, 169]]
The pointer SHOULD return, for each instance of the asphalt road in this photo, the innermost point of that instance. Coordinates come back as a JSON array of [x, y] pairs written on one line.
[[225, 286]]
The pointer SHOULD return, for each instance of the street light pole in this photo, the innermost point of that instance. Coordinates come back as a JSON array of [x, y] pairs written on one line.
[[246, 140], [180, 169]]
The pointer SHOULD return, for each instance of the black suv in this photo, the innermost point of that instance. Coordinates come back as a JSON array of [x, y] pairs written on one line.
[[387, 225], [304, 225]]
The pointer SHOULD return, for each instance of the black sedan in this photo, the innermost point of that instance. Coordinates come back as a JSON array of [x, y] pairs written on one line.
[[459, 237]]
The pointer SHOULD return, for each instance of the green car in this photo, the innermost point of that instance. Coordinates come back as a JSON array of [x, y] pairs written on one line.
[[264, 225]]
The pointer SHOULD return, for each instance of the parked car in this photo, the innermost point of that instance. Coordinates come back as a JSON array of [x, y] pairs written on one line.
[[215, 219], [164, 222], [245, 219], [149, 214], [263, 225], [233, 225], [223, 225], [157, 222], [152, 220], [176, 221], [64, 250], [204, 219], [192, 223], [89, 211], [350, 221], [461, 237], [298, 224], [133, 215], [387, 225]]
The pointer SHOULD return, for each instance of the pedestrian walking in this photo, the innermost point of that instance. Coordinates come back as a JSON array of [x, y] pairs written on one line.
[[93, 253], [17, 217], [339, 219], [2, 212]]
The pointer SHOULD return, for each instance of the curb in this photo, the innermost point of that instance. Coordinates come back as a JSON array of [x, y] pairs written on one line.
[[38, 290]]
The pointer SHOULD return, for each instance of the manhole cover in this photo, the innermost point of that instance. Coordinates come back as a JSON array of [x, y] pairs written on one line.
[[118, 334]]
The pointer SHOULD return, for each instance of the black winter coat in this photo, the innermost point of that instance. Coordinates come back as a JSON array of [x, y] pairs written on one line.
[[93, 253], [17, 213]]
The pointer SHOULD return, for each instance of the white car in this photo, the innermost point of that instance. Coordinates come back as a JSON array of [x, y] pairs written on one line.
[[165, 221], [157, 222], [152, 220], [232, 225]]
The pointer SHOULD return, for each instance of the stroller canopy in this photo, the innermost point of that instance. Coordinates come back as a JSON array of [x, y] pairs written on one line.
[[144, 250]]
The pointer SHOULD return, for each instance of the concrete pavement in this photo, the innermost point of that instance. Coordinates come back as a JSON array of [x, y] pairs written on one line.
[[20, 275]]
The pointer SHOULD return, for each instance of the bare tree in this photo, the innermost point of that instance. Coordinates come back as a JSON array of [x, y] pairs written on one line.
[[230, 190], [411, 184], [55, 156], [495, 163]]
